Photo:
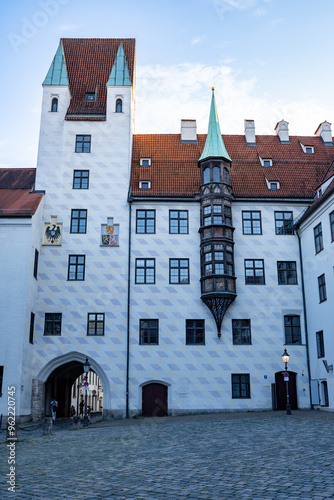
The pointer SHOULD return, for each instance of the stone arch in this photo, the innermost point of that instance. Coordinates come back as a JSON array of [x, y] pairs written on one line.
[[39, 384]]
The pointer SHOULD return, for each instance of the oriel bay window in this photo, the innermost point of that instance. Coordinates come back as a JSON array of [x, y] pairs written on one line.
[[218, 259]]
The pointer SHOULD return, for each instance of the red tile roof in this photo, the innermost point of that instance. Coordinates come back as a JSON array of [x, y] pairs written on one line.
[[175, 172], [16, 196], [89, 62]]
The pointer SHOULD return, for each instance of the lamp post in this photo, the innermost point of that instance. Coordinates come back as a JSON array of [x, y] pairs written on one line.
[[286, 357], [86, 367]]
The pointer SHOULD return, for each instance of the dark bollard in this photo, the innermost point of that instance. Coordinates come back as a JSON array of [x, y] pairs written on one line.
[[47, 426], [76, 423]]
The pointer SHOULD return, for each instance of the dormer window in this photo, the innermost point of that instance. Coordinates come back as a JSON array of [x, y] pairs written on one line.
[[266, 162], [119, 106], [144, 185], [273, 185], [308, 150], [54, 105], [145, 162], [91, 96]]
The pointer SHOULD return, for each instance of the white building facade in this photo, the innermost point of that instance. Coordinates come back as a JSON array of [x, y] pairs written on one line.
[[169, 261]]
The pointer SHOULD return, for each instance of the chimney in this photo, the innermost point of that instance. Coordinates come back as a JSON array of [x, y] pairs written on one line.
[[250, 132], [188, 131], [325, 132], [282, 130]]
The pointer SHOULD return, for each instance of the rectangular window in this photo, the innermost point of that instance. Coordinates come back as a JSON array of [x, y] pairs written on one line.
[[32, 324], [254, 272], [179, 271], [79, 221], [36, 263], [195, 334], [283, 223], [241, 331], [149, 331], [178, 221], [95, 324], [240, 385], [318, 241], [331, 222], [1, 379], [322, 288], [324, 393], [145, 271], [82, 143], [52, 324], [292, 329], [287, 273], [80, 179], [145, 221], [76, 267], [320, 344], [251, 223]]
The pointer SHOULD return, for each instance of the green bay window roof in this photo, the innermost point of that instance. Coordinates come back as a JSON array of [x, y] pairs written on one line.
[[214, 145]]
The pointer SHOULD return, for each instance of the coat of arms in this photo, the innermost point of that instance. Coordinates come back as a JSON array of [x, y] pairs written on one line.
[[52, 232], [110, 234]]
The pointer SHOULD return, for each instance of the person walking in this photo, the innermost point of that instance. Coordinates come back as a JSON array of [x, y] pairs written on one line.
[[54, 406]]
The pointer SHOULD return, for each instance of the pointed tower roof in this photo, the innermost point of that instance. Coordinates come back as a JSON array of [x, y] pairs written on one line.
[[57, 74], [214, 144], [120, 74]]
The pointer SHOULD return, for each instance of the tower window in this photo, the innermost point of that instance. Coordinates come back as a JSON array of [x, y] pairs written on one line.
[[54, 105], [206, 175], [216, 174], [119, 106], [82, 143]]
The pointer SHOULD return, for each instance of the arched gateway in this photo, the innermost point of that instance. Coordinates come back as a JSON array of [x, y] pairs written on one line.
[[56, 379]]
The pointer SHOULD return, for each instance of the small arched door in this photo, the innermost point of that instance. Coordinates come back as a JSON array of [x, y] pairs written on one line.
[[154, 400], [281, 391]]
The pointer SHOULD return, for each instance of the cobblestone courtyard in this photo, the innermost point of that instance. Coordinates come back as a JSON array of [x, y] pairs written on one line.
[[265, 455]]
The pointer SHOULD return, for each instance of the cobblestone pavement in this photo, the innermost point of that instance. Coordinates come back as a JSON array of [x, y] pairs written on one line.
[[260, 455]]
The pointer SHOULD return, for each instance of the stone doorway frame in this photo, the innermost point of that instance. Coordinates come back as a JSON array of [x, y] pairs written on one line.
[[38, 383]]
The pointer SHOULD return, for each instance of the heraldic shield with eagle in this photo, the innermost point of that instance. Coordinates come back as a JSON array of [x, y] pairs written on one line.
[[52, 232]]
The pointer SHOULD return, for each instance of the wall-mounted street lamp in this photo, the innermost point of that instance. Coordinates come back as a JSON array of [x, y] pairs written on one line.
[[286, 357], [86, 367]]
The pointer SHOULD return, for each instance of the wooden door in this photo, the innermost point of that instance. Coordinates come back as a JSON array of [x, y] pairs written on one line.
[[281, 391], [155, 400]]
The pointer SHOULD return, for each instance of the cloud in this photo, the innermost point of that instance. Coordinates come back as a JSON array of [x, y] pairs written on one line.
[[167, 94], [198, 39], [64, 28], [260, 12]]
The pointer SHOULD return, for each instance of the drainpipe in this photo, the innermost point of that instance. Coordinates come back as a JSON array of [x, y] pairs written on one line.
[[305, 318], [128, 315]]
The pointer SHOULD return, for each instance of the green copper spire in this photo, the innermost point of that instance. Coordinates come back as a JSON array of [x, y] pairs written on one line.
[[57, 74], [214, 144], [120, 74]]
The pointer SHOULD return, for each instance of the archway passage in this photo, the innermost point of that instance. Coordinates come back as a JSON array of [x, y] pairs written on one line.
[[59, 385], [281, 391], [155, 400]]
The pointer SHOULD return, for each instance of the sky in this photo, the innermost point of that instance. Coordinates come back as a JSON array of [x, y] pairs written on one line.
[[267, 59]]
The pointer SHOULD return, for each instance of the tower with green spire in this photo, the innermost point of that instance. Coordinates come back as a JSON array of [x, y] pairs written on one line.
[[218, 281]]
